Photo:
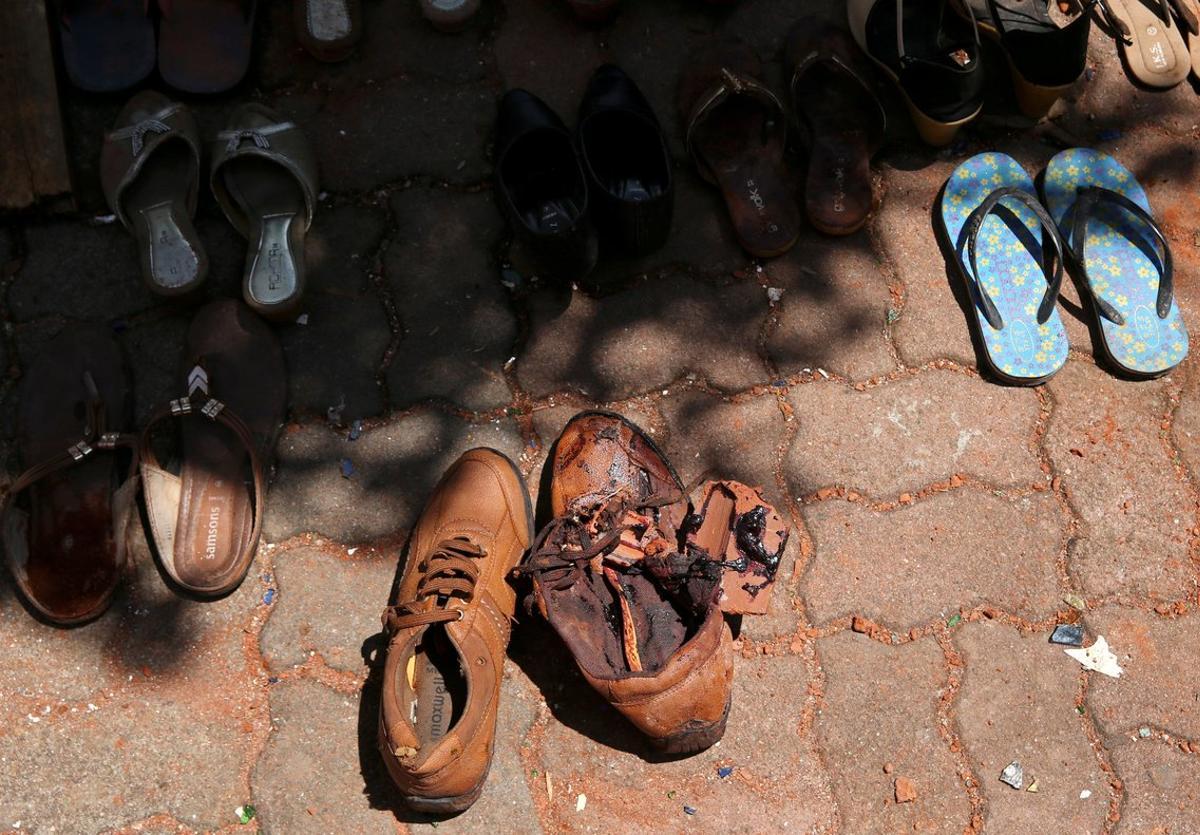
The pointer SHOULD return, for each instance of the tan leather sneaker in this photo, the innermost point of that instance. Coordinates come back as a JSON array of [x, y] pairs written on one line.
[[639, 616], [447, 635]]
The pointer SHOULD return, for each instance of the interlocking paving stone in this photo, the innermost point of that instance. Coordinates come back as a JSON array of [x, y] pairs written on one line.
[[724, 439], [302, 782], [152, 712], [880, 710], [1018, 703], [833, 310], [645, 337], [918, 563], [458, 326], [335, 356], [932, 324], [367, 137], [395, 467], [1185, 430], [1162, 788], [1104, 442], [909, 433], [777, 782], [543, 50], [79, 271], [1161, 683], [328, 604], [1105, 103]]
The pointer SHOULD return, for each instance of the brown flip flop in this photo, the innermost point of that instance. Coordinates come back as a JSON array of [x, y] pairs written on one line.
[[736, 131], [150, 169], [64, 519], [264, 175], [328, 29], [204, 45], [205, 519], [1188, 13], [842, 123], [1154, 49]]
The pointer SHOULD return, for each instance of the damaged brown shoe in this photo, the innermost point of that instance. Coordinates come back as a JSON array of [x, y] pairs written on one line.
[[447, 637], [640, 618]]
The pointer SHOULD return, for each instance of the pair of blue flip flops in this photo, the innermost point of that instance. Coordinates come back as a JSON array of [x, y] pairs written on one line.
[[1099, 224]]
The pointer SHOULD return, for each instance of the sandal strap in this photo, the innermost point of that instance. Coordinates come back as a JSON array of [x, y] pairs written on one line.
[[1084, 209], [138, 132], [1113, 20], [199, 402], [730, 84], [829, 55], [972, 226], [95, 438]]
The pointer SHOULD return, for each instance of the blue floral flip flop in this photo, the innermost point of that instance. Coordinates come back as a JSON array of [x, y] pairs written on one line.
[[1120, 254], [995, 225]]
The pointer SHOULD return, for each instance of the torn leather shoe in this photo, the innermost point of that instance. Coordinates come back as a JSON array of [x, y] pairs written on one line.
[[610, 575]]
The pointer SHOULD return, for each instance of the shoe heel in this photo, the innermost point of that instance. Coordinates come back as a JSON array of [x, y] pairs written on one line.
[[1035, 101], [932, 132]]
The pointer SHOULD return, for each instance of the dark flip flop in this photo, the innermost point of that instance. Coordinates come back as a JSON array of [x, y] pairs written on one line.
[[841, 120], [107, 45], [264, 175], [65, 517], [736, 131], [204, 45], [205, 503], [150, 168]]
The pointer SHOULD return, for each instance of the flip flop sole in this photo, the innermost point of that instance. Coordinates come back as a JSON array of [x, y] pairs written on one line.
[[204, 46], [1024, 351], [1118, 260], [108, 45]]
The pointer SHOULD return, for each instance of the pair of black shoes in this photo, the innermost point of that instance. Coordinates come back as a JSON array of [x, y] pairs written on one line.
[[613, 177]]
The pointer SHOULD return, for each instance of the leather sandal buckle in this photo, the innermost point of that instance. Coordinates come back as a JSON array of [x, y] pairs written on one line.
[[80, 450], [181, 406], [212, 408], [108, 440]]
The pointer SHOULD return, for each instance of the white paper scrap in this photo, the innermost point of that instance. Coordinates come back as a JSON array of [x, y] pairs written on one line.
[[1097, 657]]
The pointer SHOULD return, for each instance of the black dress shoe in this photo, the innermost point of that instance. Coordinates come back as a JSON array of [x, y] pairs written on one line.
[[932, 56], [541, 186], [628, 166]]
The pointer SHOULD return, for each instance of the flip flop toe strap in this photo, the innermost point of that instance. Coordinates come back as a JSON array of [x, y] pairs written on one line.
[[199, 402], [729, 84], [971, 229], [1084, 208]]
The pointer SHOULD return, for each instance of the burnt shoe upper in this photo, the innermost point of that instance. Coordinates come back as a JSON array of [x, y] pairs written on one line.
[[627, 162], [448, 633], [541, 186], [652, 643]]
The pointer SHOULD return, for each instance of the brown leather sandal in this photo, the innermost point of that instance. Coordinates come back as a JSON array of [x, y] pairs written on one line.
[[204, 521], [736, 132], [842, 123], [328, 29], [264, 175], [65, 518], [150, 168]]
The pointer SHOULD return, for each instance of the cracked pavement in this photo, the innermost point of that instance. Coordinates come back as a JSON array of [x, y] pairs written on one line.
[[941, 522]]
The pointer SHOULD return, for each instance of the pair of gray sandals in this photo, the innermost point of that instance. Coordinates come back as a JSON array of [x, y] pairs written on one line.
[[263, 175]]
